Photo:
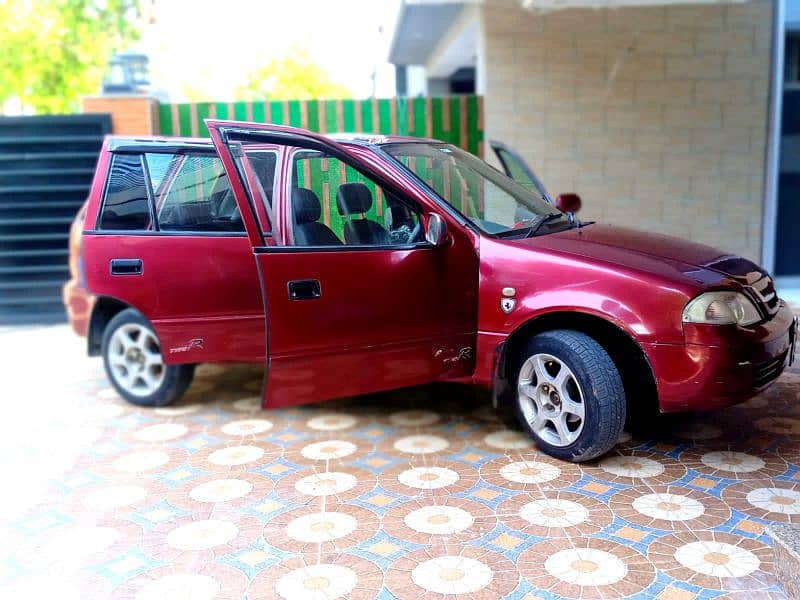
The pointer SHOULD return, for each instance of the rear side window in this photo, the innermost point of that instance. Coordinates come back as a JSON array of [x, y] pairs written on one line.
[[126, 205], [198, 198], [188, 192], [193, 192]]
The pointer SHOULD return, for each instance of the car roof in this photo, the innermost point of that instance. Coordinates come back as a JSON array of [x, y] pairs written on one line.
[[124, 142]]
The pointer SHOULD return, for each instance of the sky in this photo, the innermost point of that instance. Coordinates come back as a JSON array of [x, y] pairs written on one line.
[[203, 49]]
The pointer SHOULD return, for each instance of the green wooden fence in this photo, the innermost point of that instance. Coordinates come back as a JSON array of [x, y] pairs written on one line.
[[454, 119]]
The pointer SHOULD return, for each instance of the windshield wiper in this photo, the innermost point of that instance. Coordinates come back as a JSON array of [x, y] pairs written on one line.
[[538, 222]]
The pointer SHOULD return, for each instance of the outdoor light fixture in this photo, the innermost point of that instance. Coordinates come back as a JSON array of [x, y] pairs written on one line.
[[127, 73]]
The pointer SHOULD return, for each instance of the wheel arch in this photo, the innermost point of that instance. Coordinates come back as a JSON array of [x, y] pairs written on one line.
[[105, 308], [628, 356]]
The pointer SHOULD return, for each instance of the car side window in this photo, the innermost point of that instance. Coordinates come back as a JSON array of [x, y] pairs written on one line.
[[158, 166], [194, 194], [126, 205], [334, 204], [263, 163]]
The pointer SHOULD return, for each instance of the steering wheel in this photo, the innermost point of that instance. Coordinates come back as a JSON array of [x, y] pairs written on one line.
[[412, 237]]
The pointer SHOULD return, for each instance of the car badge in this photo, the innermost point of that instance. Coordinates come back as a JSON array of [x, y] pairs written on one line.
[[507, 302]]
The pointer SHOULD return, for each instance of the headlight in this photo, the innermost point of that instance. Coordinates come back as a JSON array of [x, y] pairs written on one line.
[[721, 308]]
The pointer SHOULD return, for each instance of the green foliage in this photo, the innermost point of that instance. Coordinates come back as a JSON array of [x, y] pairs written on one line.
[[293, 76], [55, 51]]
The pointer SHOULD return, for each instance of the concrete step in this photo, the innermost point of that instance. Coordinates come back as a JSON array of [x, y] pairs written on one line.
[[786, 546]]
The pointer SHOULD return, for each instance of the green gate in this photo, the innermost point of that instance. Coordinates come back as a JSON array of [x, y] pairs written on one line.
[[454, 119]]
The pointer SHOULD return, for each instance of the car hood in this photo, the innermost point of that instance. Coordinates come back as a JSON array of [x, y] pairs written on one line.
[[640, 250]]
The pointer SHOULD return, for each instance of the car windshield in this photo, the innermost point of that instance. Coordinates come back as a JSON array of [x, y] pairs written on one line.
[[495, 203]]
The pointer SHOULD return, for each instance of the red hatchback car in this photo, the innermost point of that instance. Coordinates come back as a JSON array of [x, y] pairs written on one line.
[[354, 264]]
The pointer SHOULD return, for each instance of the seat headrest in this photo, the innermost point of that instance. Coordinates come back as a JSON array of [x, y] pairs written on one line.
[[391, 200], [305, 205], [192, 213], [353, 199]]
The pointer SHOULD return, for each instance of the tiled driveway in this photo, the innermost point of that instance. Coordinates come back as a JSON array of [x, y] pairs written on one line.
[[408, 495]]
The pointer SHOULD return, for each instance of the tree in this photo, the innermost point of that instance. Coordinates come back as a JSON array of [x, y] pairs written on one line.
[[55, 51], [293, 76]]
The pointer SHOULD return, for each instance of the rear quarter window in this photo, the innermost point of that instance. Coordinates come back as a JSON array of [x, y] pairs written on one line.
[[126, 205]]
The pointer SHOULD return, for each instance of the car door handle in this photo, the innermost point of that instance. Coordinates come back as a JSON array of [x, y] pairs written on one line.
[[126, 266], [304, 289]]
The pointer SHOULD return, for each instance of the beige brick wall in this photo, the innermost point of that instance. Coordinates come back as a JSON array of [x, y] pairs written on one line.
[[657, 116]]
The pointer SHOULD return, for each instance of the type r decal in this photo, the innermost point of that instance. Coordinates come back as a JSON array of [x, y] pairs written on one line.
[[195, 344], [463, 354]]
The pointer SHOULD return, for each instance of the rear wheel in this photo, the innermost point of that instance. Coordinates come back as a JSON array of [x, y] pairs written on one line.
[[135, 365], [569, 395]]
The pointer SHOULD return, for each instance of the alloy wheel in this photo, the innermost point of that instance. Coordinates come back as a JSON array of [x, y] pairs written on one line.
[[135, 360], [551, 400]]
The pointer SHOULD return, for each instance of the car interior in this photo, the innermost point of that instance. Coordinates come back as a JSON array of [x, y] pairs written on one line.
[[365, 213], [308, 231], [219, 213], [354, 200]]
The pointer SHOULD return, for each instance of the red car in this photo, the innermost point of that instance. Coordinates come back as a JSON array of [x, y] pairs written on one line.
[[358, 264]]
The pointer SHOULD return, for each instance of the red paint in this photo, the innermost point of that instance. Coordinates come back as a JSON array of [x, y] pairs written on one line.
[[389, 318], [389, 324], [190, 287]]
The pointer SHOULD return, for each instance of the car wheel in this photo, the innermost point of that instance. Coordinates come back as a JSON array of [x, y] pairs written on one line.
[[569, 395], [135, 365]]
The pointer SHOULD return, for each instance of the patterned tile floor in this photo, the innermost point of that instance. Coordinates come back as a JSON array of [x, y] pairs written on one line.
[[420, 494]]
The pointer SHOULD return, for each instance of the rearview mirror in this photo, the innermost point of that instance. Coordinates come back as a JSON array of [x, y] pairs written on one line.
[[568, 203], [436, 233]]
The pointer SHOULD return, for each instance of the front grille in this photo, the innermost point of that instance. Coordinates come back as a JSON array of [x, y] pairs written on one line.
[[767, 371], [764, 289]]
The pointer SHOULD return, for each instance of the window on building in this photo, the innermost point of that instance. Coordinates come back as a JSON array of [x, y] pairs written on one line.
[[463, 81], [126, 205], [791, 63]]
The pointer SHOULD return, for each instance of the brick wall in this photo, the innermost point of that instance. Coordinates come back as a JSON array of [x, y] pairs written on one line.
[[657, 116], [130, 115]]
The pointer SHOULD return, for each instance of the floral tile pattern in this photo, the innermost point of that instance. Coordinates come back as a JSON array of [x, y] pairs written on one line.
[[425, 493]]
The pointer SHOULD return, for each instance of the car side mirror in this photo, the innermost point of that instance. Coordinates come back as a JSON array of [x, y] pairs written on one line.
[[436, 233], [568, 203]]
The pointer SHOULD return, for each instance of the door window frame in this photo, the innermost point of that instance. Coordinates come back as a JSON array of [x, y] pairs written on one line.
[[229, 133], [264, 212]]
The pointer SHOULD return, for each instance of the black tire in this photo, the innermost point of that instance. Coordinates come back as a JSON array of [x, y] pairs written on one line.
[[601, 388], [176, 378]]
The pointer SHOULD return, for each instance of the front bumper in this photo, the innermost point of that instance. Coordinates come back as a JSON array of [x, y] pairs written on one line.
[[721, 366]]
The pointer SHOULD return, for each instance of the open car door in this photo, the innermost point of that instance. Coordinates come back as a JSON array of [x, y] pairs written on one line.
[[353, 304], [515, 167]]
